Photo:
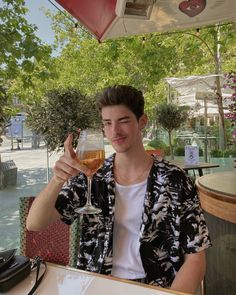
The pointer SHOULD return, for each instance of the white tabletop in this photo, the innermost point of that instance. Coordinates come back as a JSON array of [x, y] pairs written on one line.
[[67, 281]]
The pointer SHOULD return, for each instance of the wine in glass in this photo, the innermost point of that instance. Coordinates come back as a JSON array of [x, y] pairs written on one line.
[[90, 152]]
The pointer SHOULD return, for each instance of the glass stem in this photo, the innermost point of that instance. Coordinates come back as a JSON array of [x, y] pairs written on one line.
[[88, 203]]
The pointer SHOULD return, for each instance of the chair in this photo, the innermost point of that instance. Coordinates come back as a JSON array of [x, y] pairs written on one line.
[[58, 243], [158, 152]]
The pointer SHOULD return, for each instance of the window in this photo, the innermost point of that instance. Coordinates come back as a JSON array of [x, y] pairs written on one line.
[[138, 8]]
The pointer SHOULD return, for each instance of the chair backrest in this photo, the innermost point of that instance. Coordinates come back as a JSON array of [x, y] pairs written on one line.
[[58, 243], [158, 152]]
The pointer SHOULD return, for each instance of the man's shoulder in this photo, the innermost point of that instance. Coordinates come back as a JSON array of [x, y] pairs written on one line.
[[162, 165], [167, 171]]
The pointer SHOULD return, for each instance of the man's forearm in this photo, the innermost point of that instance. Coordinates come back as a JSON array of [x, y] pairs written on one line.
[[43, 212], [191, 273]]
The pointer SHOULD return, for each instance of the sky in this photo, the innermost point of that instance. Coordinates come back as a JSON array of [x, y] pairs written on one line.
[[36, 16]]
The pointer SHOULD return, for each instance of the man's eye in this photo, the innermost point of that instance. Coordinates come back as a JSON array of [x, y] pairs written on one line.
[[124, 121], [105, 124]]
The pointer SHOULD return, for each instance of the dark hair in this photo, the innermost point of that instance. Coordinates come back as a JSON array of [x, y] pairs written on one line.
[[122, 95]]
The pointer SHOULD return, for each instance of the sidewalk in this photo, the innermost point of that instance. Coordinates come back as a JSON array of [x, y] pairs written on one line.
[[33, 172], [31, 177]]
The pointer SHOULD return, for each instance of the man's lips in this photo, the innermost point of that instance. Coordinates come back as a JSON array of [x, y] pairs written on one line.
[[118, 140]]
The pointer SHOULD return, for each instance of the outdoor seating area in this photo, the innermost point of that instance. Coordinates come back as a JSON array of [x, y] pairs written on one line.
[[99, 102], [44, 243]]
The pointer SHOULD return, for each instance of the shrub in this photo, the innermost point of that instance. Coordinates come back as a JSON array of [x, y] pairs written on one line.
[[228, 153], [179, 151], [167, 151], [200, 152], [157, 143], [223, 153], [216, 153]]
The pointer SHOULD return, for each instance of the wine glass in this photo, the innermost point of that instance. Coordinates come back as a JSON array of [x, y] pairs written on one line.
[[90, 152]]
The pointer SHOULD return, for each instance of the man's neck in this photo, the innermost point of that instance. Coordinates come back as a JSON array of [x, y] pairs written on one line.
[[132, 158], [131, 168]]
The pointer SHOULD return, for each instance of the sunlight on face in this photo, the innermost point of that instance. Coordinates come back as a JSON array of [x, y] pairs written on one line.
[[121, 127]]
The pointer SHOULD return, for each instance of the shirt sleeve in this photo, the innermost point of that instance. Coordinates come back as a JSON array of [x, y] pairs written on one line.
[[71, 197], [194, 233]]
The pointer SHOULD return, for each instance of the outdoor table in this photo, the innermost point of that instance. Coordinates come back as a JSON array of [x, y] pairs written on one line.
[[65, 281], [217, 193], [199, 167]]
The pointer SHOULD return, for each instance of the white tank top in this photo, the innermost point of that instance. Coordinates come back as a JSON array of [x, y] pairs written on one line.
[[128, 213]]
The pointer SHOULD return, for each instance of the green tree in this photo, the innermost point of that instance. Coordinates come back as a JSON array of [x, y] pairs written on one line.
[[141, 61], [21, 52], [23, 58], [216, 47], [19, 46], [61, 112], [231, 115], [171, 117], [4, 112]]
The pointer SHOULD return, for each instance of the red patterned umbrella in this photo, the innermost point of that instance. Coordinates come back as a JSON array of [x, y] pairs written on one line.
[[108, 19]]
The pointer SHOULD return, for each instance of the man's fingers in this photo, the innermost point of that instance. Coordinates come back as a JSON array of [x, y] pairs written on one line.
[[68, 146], [68, 164]]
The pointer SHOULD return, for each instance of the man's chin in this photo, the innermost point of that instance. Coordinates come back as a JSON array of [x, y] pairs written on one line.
[[120, 150]]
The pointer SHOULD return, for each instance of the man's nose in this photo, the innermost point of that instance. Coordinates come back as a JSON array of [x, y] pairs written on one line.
[[115, 128]]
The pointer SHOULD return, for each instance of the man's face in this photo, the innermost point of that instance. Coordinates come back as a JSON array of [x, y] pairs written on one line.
[[122, 128]]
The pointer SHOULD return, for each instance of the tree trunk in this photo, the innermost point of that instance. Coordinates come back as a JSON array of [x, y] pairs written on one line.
[[219, 98], [171, 147]]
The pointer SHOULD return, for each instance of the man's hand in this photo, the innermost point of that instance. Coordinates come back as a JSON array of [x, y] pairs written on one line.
[[68, 164]]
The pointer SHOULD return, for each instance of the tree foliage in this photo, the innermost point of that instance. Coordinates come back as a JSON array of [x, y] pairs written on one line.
[[140, 61], [61, 112], [231, 115], [20, 49], [4, 112], [171, 117]]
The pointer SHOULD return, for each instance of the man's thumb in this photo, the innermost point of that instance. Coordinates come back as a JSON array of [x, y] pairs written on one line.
[[68, 146]]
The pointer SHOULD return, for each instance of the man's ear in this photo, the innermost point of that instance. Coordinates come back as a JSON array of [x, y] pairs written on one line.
[[143, 121]]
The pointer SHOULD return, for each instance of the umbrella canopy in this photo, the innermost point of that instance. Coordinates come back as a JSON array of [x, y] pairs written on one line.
[[108, 19], [197, 84], [194, 90]]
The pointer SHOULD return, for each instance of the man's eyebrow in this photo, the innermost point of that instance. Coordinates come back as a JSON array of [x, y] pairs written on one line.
[[120, 119], [124, 118]]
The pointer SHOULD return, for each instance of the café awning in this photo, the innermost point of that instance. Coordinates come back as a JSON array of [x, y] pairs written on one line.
[[108, 19], [192, 84], [194, 90]]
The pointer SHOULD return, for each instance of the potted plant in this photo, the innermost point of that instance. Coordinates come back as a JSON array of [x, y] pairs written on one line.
[[171, 116]]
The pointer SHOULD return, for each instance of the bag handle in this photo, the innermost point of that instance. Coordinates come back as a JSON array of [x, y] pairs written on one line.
[[36, 263]]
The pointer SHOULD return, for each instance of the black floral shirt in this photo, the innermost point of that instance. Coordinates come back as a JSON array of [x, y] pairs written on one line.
[[172, 221]]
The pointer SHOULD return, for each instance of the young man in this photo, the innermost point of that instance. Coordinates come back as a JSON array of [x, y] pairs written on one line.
[[151, 227]]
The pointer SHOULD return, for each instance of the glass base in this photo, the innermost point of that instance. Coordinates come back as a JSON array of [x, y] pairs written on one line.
[[88, 210]]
